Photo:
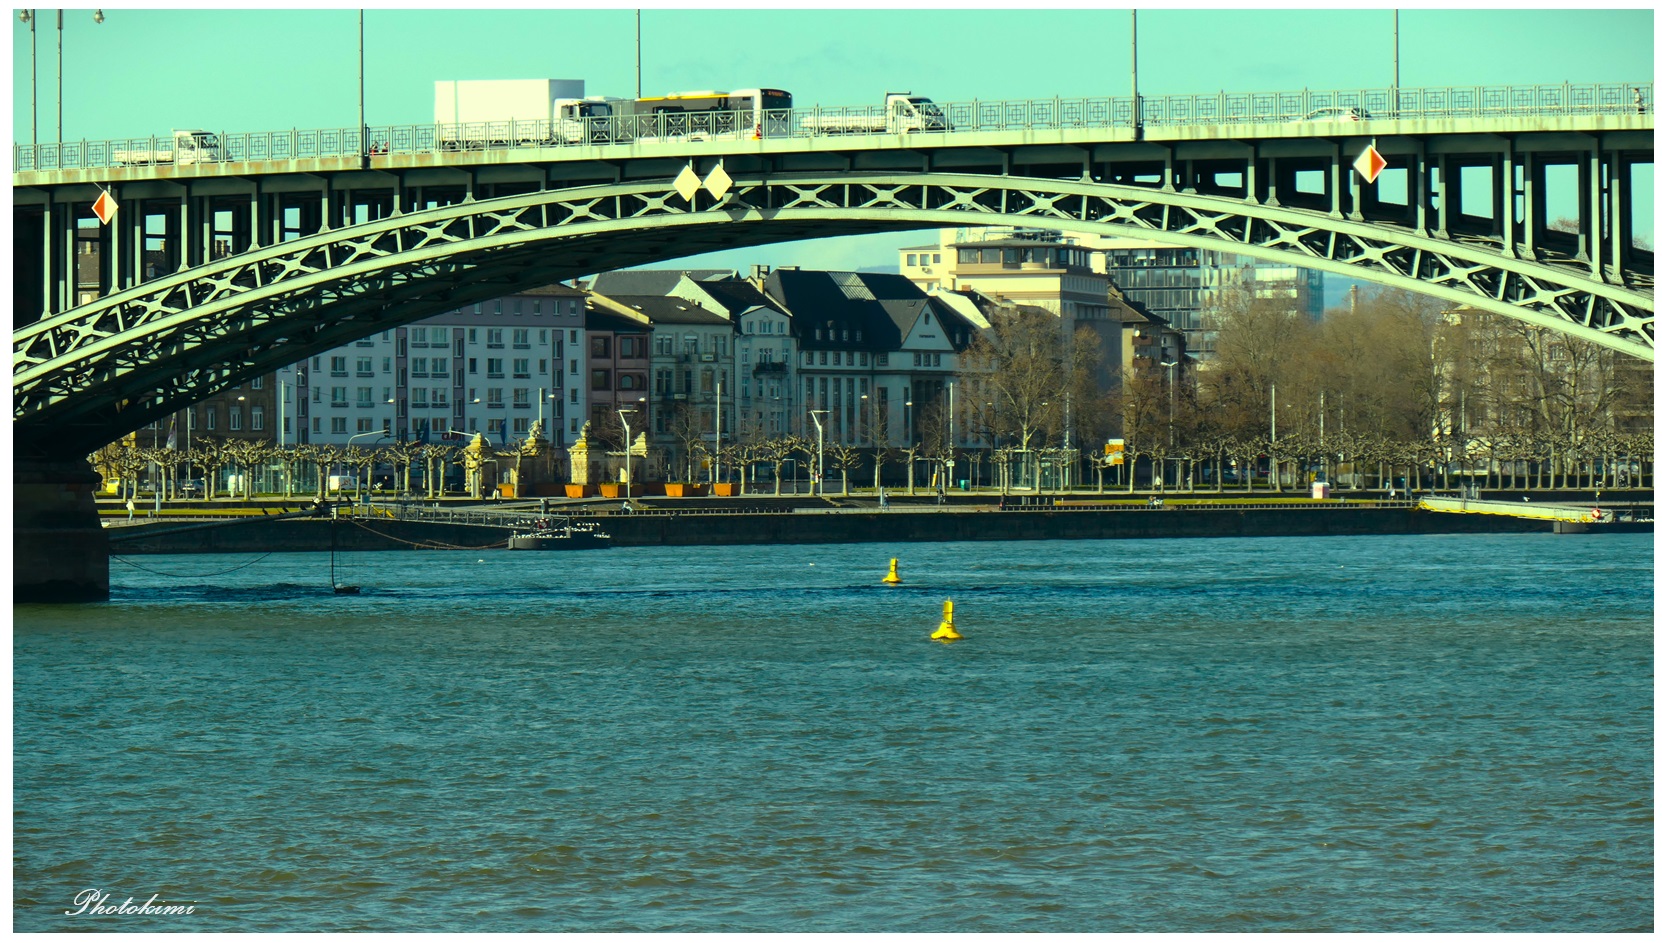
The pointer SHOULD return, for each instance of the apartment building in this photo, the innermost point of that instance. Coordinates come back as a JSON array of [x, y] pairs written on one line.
[[494, 367]]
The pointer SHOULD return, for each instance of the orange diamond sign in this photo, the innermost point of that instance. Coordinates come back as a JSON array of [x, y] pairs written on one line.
[[105, 207], [1369, 163]]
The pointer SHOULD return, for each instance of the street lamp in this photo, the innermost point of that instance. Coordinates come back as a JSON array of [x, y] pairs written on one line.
[[628, 482], [357, 482], [97, 17], [28, 16], [819, 472], [1171, 405]]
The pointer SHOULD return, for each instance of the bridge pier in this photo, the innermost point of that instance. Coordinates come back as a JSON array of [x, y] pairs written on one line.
[[59, 550]]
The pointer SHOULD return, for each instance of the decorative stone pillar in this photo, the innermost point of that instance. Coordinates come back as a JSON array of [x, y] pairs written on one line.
[[60, 552], [579, 454]]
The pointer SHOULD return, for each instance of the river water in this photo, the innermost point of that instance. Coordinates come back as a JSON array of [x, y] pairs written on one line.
[[1341, 734]]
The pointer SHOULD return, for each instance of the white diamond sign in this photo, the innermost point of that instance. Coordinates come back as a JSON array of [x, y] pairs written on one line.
[[1369, 163], [718, 182], [104, 207], [686, 183]]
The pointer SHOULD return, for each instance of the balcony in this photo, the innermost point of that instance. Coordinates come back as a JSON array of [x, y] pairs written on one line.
[[769, 368]]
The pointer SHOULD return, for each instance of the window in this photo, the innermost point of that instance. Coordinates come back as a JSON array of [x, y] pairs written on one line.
[[522, 398], [441, 398], [573, 370], [366, 424], [493, 398], [418, 367], [522, 336], [600, 347], [337, 425], [631, 347], [337, 366], [522, 426], [258, 384], [418, 337], [493, 336], [911, 258], [472, 365], [628, 381], [542, 368], [317, 426], [441, 367], [418, 397], [256, 417], [660, 382], [518, 311], [337, 396], [601, 380], [366, 397], [493, 368], [837, 359], [522, 367], [234, 413]]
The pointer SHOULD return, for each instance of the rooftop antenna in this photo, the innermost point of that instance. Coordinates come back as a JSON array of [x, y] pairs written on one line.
[[637, 53]]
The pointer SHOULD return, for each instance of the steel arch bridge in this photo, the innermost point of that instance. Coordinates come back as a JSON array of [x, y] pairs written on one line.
[[307, 277], [146, 351]]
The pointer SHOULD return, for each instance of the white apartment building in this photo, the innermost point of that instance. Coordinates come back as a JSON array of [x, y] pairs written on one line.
[[493, 367]]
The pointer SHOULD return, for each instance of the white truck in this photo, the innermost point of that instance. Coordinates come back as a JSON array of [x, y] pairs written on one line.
[[517, 113], [902, 112], [187, 147]]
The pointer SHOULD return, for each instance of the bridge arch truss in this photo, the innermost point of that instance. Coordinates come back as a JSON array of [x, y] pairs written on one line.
[[85, 376]]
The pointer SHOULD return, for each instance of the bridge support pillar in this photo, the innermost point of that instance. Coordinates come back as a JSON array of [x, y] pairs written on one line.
[[59, 550]]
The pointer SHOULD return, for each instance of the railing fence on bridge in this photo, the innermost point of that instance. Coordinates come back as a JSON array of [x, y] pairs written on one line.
[[1221, 108]]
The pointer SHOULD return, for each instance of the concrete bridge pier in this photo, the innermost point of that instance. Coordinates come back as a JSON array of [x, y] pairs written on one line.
[[59, 550]]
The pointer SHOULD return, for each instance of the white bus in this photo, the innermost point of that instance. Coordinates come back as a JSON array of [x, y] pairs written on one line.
[[707, 115]]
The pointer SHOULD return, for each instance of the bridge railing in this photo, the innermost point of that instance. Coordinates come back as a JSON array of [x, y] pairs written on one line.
[[1222, 108]]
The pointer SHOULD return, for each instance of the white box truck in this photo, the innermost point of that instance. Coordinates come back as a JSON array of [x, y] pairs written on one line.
[[902, 112], [516, 113]]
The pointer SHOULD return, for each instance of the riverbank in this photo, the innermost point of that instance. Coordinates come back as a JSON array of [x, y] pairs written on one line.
[[815, 521]]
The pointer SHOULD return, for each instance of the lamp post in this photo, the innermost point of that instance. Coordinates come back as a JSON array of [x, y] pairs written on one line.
[[97, 17], [819, 462], [628, 478], [28, 16], [1171, 405], [358, 482]]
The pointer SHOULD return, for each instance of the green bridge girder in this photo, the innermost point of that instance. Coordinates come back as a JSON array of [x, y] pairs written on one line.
[[89, 374]]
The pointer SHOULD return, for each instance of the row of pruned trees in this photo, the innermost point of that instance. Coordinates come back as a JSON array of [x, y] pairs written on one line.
[[170, 469]]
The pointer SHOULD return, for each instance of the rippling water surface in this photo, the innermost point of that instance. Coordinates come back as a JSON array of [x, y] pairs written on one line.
[[1426, 733]]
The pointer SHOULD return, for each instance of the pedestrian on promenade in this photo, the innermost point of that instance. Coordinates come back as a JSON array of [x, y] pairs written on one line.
[[130, 508], [1638, 100]]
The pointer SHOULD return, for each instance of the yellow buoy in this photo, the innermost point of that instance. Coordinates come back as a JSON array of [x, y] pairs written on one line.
[[894, 572], [947, 632]]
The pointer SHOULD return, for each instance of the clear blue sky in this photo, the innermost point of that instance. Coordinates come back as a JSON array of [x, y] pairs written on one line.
[[145, 71]]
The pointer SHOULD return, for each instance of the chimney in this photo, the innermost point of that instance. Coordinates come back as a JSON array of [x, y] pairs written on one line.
[[758, 272]]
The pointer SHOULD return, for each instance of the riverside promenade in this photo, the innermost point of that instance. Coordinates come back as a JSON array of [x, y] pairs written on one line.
[[223, 527]]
